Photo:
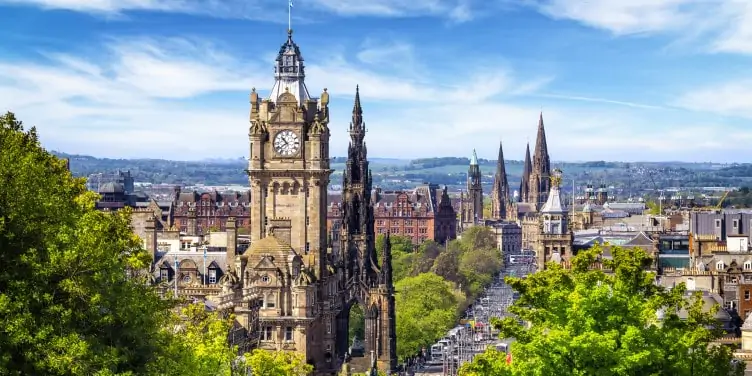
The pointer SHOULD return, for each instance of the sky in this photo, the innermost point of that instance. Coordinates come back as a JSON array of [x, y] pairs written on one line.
[[631, 80]]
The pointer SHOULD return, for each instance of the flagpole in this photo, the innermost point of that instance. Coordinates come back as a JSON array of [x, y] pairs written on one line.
[[289, 15]]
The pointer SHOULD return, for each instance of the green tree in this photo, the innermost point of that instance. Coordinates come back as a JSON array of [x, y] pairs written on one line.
[[66, 305], [277, 363], [199, 346], [477, 269], [426, 309], [447, 264], [427, 254], [478, 237], [587, 322]]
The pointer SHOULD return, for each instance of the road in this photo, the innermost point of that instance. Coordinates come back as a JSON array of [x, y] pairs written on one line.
[[462, 343]]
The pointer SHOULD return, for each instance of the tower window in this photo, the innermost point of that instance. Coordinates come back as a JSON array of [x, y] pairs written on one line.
[[288, 333]]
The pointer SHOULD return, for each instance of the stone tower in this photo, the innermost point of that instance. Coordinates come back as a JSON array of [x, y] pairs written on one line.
[[539, 182], [284, 273], [472, 204], [500, 189], [554, 241], [364, 281], [527, 169]]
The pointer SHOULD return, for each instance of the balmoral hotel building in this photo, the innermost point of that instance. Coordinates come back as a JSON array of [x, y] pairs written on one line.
[[425, 213]]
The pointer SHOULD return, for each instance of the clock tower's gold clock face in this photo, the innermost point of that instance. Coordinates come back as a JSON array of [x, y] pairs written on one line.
[[286, 143]]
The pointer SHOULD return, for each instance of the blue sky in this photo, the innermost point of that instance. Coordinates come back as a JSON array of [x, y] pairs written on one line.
[[615, 79]]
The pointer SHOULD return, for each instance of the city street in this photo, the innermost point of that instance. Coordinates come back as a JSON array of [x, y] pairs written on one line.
[[474, 333]]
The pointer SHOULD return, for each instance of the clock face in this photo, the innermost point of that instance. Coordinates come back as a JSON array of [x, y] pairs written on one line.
[[286, 143]]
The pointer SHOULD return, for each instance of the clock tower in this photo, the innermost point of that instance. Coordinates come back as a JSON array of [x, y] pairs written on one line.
[[289, 160]]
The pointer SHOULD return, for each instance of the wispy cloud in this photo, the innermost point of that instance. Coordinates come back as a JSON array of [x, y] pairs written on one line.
[[602, 100], [725, 23], [262, 10], [728, 99]]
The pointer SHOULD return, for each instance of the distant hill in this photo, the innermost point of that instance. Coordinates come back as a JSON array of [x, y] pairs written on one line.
[[395, 173]]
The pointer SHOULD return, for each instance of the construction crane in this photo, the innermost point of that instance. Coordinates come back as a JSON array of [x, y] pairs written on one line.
[[715, 208]]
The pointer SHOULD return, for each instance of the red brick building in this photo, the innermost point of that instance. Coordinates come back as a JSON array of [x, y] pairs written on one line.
[[194, 213], [425, 213]]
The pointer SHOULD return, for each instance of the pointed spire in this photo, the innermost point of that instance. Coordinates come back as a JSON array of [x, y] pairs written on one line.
[[524, 181], [540, 158], [474, 159], [500, 189]]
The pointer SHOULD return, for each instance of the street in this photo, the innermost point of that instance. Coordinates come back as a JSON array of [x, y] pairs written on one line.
[[473, 334]]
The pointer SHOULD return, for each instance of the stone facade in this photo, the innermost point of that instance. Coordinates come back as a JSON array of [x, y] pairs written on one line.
[[500, 198], [471, 211], [290, 291]]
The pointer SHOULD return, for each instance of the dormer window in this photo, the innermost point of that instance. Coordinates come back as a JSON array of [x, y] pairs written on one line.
[[719, 265], [164, 274]]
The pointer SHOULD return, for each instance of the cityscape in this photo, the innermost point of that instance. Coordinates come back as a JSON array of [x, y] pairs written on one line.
[[345, 221]]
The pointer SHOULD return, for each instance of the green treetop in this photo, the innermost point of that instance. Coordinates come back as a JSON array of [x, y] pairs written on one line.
[[66, 305], [587, 322]]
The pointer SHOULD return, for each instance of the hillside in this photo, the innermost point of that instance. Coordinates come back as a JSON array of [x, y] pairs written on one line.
[[392, 173]]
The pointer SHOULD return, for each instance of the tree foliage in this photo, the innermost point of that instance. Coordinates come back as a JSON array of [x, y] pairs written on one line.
[[587, 322], [66, 305], [426, 309], [74, 298]]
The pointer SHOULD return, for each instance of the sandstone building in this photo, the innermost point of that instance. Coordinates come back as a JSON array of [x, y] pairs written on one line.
[[288, 287], [471, 201]]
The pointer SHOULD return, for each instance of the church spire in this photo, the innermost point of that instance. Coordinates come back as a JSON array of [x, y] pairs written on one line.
[[289, 72], [541, 160], [386, 263], [500, 189], [526, 170], [540, 183]]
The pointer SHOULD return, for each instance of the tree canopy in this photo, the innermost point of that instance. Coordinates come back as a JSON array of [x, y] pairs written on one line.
[[74, 299], [587, 322], [66, 305]]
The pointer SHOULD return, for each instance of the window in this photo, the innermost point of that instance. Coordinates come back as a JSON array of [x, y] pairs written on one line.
[[748, 265], [718, 223], [212, 276], [408, 222], [719, 265], [395, 230], [270, 301], [288, 333], [409, 230], [746, 294], [164, 274], [328, 326], [735, 223], [266, 334]]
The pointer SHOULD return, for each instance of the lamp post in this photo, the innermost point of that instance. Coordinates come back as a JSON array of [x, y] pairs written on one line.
[[176, 276]]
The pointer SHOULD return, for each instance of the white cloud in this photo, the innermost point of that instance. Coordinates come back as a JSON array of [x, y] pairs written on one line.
[[729, 99], [242, 9], [265, 10], [454, 9], [141, 98], [728, 23]]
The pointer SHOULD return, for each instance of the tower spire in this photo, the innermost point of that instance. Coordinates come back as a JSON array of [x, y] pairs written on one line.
[[289, 72], [500, 189], [540, 182], [526, 170]]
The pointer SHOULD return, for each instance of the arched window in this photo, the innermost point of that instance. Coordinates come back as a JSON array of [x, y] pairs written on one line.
[[719, 265], [748, 265], [270, 301]]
